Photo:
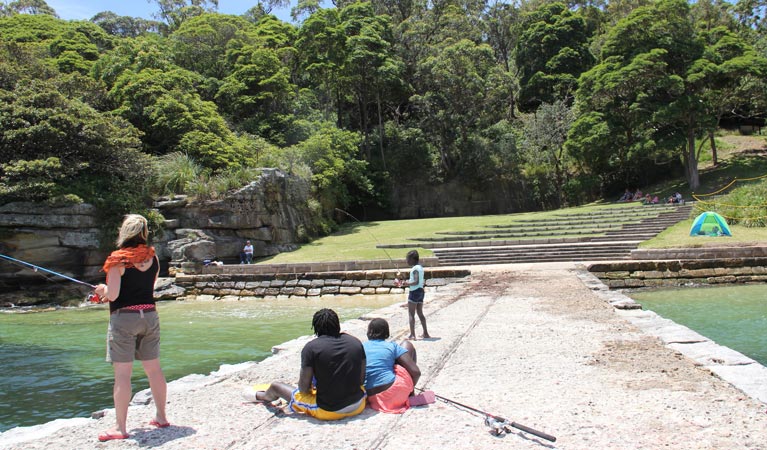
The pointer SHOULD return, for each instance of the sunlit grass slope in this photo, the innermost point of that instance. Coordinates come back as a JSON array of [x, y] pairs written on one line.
[[357, 240], [679, 236]]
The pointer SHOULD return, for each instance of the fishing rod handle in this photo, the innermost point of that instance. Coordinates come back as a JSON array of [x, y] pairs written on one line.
[[540, 434]]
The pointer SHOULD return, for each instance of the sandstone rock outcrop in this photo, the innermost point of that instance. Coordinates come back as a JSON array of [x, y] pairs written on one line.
[[271, 212], [62, 239]]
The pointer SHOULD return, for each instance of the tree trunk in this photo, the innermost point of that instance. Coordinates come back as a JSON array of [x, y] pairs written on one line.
[[380, 129], [691, 161], [364, 126], [714, 157]]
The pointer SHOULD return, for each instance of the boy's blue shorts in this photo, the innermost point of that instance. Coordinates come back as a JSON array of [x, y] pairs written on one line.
[[416, 296]]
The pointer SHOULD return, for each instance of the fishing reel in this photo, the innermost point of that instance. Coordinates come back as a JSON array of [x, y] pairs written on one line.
[[497, 427], [93, 298]]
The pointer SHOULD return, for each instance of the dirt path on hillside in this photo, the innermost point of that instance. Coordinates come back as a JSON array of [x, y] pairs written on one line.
[[745, 145]]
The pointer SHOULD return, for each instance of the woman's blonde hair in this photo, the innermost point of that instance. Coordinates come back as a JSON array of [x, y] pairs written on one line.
[[133, 231]]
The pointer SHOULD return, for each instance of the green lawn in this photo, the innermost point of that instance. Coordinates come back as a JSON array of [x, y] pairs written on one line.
[[679, 236], [357, 241]]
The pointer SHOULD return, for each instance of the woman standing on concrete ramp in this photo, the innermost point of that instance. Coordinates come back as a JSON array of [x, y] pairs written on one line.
[[134, 328]]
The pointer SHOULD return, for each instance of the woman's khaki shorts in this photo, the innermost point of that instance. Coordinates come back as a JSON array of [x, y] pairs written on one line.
[[133, 335]]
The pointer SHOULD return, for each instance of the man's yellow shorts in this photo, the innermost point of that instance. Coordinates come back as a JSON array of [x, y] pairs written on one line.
[[307, 404]]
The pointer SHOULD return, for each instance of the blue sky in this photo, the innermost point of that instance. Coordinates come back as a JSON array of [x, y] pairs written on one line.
[[85, 9]]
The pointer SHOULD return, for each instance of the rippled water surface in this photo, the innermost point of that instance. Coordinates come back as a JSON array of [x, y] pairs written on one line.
[[733, 316], [52, 363]]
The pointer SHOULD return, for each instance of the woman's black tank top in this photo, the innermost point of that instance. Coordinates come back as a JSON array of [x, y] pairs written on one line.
[[136, 287]]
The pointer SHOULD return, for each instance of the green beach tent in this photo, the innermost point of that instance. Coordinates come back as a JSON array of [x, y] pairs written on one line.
[[710, 223]]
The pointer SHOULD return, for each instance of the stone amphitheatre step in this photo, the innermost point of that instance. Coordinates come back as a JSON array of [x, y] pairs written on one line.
[[569, 220], [531, 253], [502, 229], [539, 249], [628, 236], [620, 212], [594, 236], [536, 245], [562, 223], [463, 238], [587, 220], [529, 257], [534, 259]]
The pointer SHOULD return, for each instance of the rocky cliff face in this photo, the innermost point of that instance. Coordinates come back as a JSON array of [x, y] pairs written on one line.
[[269, 212], [63, 239]]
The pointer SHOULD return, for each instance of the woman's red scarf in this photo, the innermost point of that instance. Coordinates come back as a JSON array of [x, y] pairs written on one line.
[[128, 257]]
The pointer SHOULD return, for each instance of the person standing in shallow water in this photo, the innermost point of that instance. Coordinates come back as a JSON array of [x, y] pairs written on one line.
[[134, 327], [416, 294]]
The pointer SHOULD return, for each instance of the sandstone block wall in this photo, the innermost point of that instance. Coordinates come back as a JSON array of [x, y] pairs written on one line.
[[311, 284], [638, 274]]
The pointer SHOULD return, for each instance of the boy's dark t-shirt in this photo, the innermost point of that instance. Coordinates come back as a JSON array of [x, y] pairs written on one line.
[[338, 366]]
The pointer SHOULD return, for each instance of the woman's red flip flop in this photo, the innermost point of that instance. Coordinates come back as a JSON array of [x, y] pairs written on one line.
[[157, 424], [107, 436]]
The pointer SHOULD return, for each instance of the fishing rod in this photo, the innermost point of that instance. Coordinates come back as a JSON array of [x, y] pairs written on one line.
[[92, 297], [374, 238], [43, 269], [497, 424]]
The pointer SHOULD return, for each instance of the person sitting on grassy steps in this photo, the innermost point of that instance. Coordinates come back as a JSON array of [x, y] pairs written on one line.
[[332, 377]]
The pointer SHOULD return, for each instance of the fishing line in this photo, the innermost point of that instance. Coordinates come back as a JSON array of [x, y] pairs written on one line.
[[372, 235], [92, 297], [35, 268]]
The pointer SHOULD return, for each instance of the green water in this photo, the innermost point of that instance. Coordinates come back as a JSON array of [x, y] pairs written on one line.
[[733, 316], [52, 363]]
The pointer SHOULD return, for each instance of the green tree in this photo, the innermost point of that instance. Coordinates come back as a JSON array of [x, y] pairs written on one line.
[[27, 7], [135, 55], [264, 8], [166, 107], [125, 26], [370, 66], [200, 44], [649, 98], [461, 81], [54, 146], [321, 51], [76, 49], [175, 12], [257, 94], [545, 134], [501, 20], [338, 177], [552, 52]]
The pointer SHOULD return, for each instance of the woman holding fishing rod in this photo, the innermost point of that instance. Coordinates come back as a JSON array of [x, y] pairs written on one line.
[[134, 328]]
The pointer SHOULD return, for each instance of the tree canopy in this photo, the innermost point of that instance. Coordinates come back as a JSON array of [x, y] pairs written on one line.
[[556, 102]]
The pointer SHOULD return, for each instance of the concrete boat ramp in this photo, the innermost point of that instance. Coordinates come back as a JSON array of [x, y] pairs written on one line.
[[540, 345]]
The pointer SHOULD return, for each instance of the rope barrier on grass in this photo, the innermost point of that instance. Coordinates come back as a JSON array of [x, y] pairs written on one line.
[[707, 205]]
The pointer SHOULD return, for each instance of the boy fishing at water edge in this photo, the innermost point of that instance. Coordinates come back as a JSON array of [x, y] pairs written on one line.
[[415, 297]]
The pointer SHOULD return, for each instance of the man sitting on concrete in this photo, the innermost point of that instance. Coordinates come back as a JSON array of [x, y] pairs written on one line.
[[330, 384]]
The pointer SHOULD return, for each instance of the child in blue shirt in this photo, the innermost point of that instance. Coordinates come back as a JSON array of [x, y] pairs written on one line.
[[415, 297], [391, 372]]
